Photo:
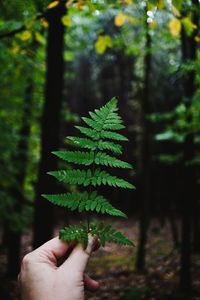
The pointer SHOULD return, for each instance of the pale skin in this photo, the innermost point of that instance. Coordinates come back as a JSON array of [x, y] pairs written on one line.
[[56, 271]]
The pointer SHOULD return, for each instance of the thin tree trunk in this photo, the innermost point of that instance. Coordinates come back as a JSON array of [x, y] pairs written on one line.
[[196, 230], [21, 159], [43, 217], [174, 230], [145, 157], [189, 51]]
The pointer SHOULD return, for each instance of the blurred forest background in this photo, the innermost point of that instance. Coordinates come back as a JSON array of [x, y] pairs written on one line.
[[60, 59]]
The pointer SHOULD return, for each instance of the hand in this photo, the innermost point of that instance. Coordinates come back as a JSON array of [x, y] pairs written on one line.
[[46, 274]]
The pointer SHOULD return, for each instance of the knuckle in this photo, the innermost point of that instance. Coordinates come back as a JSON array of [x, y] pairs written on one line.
[[26, 260]]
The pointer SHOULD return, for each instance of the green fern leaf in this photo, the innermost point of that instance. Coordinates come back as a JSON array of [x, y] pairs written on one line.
[[83, 142], [100, 137], [112, 135], [75, 233], [95, 135], [103, 134], [79, 233], [109, 234], [107, 145], [72, 176], [102, 114], [87, 158], [94, 125], [98, 126], [113, 126], [84, 201], [85, 178], [76, 157], [102, 158], [102, 177]]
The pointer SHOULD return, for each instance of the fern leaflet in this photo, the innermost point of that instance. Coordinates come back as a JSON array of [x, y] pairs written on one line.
[[85, 202]]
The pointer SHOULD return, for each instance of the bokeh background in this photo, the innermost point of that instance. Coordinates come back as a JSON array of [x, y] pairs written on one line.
[[60, 59]]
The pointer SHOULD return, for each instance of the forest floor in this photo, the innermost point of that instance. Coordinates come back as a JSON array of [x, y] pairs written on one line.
[[114, 268]]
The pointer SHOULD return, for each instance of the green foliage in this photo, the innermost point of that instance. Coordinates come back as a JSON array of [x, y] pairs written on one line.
[[104, 233], [102, 126], [179, 123], [88, 177], [85, 201]]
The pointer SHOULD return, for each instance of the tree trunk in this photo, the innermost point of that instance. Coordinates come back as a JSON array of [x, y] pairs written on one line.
[[174, 230], [43, 217], [14, 235], [145, 156], [189, 51]]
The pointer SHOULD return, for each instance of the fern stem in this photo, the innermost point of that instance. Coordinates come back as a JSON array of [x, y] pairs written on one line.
[[90, 189], [88, 221]]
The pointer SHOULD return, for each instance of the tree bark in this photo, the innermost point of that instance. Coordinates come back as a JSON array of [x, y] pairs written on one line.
[[145, 156], [189, 52], [21, 158], [50, 128]]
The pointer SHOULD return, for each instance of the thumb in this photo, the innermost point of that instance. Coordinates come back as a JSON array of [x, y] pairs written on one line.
[[79, 257], [51, 251]]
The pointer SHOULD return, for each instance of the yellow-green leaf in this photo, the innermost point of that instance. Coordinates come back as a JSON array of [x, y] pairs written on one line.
[[120, 19], [15, 49], [161, 4], [67, 21], [39, 38], [174, 26], [153, 24], [177, 3], [175, 11], [29, 24], [128, 2], [53, 4], [197, 39], [103, 42], [25, 35], [132, 20], [44, 23], [69, 3], [150, 6], [188, 25]]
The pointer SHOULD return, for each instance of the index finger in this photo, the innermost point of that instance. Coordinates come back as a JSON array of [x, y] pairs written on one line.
[[54, 247]]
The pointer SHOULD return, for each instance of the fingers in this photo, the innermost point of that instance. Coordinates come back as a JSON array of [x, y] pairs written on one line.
[[90, 284], [93, 244], [79, 257], [53, 249]]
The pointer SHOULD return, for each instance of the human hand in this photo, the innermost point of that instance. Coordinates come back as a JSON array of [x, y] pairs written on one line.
[[56, 271]]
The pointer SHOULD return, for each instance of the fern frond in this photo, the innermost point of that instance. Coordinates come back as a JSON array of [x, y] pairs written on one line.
[[72, 176], [93, 124], [87, 158], [101, 115], [76, 157], [87, 177], [102, 158], [102, 177], [107, 145], [113, 136], [76, 233], [113, 126], [109, 234], [98, 126], [91, 133], [84, 202], [83, 142], [103, 134], [99, 136], [105, 234], [86, 143]]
